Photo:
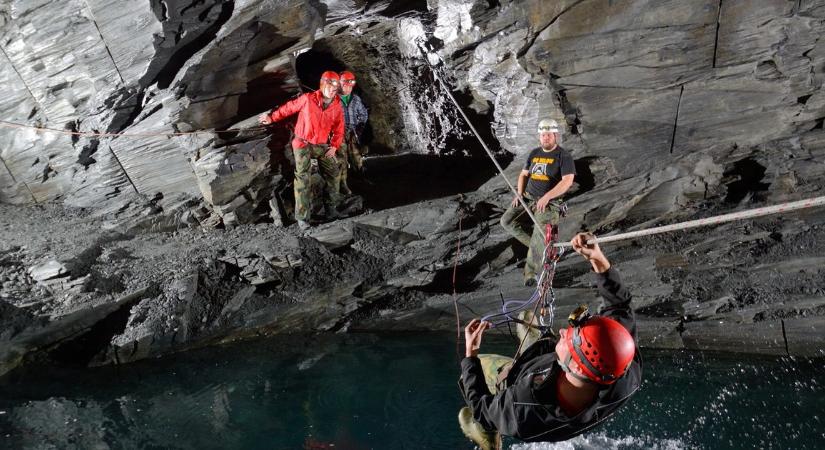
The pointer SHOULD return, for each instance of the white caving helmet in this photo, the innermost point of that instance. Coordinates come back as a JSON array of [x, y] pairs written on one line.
[[549, 125]]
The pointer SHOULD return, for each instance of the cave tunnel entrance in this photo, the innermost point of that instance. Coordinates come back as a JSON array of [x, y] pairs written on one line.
[[397, 175], [312, 63]]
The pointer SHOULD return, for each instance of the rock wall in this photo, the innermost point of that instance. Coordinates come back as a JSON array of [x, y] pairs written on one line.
[[674, 110], [154, 69], [642, 85]]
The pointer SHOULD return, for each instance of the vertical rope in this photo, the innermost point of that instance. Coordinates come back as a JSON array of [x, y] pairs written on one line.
[[455, 298]]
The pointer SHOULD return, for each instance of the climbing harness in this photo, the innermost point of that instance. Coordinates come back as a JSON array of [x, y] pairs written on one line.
[[547, 296], [543, 298]]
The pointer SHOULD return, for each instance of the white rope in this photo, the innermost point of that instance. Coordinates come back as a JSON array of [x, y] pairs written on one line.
[[741, 215]]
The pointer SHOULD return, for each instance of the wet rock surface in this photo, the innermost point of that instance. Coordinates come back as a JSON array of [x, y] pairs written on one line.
[[133, 246]]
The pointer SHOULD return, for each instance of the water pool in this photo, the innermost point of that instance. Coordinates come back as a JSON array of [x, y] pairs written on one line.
[[398, 391]]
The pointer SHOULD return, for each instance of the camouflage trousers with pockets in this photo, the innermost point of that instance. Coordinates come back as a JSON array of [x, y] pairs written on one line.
[[330, 172], [517, 222], [349, 155]]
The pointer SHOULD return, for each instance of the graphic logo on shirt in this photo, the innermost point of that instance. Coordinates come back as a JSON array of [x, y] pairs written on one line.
[[538, 171]]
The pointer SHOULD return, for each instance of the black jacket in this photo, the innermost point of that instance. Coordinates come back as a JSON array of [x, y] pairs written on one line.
[[527, 409]]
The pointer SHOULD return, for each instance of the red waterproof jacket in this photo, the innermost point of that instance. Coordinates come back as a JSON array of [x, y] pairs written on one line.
[[314, 122]]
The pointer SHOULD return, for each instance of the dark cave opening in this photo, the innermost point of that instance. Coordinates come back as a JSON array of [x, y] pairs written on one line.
[[585, 181], [312, 63], [748, 175], [395, 179], [395, 8]]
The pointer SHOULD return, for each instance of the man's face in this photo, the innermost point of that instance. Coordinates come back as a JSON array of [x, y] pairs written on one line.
[[563, 353], [561, 346], [329, 88], [346, 86], [547, 139]]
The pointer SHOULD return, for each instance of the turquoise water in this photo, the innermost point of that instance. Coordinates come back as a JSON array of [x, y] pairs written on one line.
[[367, 391]]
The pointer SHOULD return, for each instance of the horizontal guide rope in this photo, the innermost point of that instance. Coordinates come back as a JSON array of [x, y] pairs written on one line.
[[740, 215], [7, 124]]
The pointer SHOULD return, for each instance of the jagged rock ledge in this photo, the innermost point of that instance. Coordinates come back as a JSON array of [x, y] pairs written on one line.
[[110, 297]]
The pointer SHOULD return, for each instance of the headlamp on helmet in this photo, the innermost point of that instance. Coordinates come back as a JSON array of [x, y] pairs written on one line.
[[331, 78], [549, 126], [347, 77]]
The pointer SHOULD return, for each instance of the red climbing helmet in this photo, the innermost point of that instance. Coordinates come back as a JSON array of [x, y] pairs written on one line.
[[330, 77], [347, 77], [602, 348]]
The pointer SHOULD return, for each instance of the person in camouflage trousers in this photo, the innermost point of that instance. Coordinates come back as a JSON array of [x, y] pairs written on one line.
[[319, 134], [355, 117], [331, 173], [545, 177]]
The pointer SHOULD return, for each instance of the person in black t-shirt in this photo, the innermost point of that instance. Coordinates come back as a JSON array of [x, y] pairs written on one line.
[[547, 174]]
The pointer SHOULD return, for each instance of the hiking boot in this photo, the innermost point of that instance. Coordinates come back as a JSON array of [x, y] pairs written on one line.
[[530, 282], [303, 225], [486, 440]]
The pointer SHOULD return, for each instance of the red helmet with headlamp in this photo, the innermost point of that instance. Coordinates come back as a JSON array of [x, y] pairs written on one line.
[[330, 77], [347, 77], [602, 347]]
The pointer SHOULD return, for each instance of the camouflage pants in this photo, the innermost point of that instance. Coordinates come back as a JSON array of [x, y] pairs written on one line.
[[492, 365], [330, 172], [496, 367], [517, 222], [348, 155]]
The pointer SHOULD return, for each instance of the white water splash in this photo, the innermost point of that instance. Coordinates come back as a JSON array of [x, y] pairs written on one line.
[[600, 441]]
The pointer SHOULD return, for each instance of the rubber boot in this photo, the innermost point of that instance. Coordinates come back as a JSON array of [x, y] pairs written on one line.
[[486, 440]]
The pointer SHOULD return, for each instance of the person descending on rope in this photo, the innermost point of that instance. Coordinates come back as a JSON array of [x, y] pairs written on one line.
[[355, 118], [555, 389], [547, 174], [319, 133]]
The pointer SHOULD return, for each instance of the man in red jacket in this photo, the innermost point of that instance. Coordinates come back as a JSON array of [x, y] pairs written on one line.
[[319, 132]]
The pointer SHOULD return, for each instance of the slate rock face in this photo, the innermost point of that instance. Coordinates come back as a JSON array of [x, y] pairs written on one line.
[[156, 69], [149, 69], [673, 110]]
